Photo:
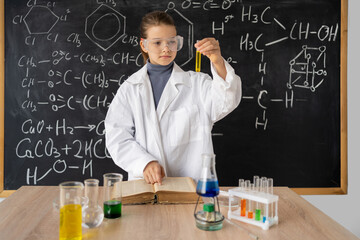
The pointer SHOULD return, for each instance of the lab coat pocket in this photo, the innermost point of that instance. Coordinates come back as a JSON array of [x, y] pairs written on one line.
[[185, 125]]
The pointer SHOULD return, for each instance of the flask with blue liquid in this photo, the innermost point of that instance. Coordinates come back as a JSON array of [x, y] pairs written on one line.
[[210, 218]]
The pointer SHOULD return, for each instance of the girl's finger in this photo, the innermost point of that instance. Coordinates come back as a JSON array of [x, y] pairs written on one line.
[[200, 42], [203, 44], [207, 53], [209, 48], [150, 177], [158, 179], [158, 174], [203, 41], [146, 179]]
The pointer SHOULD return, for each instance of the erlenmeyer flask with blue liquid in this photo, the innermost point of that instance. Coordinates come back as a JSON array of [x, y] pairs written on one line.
[[208, 185], [210, 218]]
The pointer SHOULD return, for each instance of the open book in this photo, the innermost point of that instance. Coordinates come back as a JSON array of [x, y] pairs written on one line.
[[172, 190]]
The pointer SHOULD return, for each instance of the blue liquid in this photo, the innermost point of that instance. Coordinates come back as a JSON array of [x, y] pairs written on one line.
[[208, 188]]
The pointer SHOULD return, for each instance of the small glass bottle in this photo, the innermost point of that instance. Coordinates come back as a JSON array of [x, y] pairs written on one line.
[[92, 213]]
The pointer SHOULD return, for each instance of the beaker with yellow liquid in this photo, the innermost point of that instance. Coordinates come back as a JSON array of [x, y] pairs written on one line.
[[70, 211]]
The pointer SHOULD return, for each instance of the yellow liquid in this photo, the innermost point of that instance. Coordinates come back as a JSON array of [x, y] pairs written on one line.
[[70, 222], [198, 61]]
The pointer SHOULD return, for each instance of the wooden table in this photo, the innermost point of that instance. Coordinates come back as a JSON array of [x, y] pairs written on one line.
[[29, 214]]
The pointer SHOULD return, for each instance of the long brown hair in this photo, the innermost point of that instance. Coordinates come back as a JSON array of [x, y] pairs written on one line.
[[152, 19]]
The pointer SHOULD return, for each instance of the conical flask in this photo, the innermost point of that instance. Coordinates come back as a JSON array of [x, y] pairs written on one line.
[[208, 185], [92, 214], [209, 218]]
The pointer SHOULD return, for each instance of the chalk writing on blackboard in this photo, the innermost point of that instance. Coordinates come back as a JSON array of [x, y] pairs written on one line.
[[69, 58], [32, 20], [95, 30], [188, 34], [308, 68]]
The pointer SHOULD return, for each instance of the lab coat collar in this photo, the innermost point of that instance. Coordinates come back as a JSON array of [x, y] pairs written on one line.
[[178, 76]]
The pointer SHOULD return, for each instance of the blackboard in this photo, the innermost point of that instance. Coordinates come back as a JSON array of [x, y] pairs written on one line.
[[64, 61]]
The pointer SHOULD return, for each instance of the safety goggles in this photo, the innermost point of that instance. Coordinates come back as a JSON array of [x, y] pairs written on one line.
[[158, 44]]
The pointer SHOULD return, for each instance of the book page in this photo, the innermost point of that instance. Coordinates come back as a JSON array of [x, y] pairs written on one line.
[[135, 187], [176, 184]]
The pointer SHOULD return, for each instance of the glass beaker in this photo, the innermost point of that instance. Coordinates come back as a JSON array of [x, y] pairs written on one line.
[[70, 210], [92, 213], [112, 195]]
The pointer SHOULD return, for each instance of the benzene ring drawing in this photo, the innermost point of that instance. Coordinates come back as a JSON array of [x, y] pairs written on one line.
[[40, 20], [105, 26]]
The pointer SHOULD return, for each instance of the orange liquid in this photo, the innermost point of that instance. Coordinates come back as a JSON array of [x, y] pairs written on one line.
[[250, 215], [243, 207], [70, 222]]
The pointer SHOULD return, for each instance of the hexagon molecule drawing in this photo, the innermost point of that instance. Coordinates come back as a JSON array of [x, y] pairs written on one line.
[[40, 20], [184, 28], [105, 26]]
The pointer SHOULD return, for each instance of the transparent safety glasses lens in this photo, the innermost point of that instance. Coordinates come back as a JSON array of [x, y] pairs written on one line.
[[158, 44]]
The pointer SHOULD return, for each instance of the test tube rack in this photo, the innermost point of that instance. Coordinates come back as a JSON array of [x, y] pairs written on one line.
[[267, 199]]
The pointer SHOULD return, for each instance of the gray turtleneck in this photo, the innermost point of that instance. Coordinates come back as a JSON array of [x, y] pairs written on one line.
[[159, 76]]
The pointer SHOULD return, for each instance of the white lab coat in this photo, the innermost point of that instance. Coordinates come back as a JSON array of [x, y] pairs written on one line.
[[179, 130]]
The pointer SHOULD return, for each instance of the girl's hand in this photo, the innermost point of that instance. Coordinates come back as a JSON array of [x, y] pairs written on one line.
[[153, 172], [210, 47]]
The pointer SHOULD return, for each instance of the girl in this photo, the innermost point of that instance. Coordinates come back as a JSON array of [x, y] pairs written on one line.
[[160, 120]]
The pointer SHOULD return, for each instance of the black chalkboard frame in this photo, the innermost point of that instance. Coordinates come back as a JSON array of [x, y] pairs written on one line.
[[306, 191]]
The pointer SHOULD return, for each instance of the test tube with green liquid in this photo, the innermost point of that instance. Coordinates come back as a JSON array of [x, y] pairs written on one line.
[[258, 207], [198, 61]]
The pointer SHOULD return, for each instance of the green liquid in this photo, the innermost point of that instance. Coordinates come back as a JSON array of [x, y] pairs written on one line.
[[257, 214], [112, 209]]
